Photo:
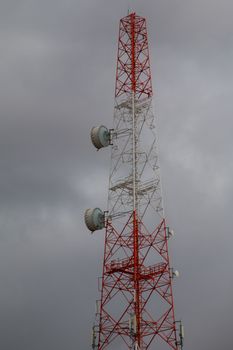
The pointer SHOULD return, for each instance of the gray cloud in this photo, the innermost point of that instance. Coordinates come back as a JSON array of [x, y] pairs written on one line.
[[57, 71]]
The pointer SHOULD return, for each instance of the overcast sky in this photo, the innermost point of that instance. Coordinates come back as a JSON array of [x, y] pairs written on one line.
[[57, 75]]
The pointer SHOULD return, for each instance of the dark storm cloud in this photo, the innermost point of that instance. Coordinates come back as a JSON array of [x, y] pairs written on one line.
[[57, 71]]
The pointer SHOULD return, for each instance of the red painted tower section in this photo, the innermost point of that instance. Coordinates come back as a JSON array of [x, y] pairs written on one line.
[[133, 64], [136, 307]]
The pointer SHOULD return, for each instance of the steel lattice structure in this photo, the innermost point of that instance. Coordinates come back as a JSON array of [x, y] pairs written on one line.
[[136, 308]]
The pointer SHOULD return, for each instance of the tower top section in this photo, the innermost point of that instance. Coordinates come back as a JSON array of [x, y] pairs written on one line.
[[133, 73]]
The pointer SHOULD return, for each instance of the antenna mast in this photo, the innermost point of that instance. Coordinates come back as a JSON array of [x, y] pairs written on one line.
[[136, 308]]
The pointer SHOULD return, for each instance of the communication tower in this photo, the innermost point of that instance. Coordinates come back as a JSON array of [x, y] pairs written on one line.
[[136, 307]]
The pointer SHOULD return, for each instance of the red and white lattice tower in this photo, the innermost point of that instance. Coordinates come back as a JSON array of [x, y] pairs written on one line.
[[136, 308]]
